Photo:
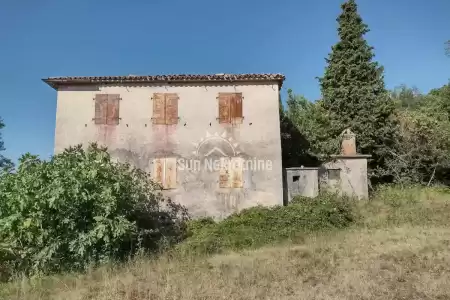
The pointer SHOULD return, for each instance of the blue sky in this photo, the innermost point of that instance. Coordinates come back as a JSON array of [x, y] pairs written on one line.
[[112, 37]]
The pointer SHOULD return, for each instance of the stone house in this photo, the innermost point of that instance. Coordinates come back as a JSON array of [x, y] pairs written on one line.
[[211, 141]]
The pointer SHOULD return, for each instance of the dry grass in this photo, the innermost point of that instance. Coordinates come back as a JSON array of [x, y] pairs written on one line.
[[389, 255]]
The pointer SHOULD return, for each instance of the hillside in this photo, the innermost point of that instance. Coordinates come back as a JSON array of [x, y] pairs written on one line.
[[398, 248]]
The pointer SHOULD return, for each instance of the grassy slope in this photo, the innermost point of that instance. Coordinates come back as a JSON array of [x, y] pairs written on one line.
[[400, 249]]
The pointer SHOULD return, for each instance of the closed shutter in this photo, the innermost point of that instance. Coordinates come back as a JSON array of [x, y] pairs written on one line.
[[236, 107], [237, 172], [224, 175], [101, 108], [158, 170], [170, 178], [171, 109], [224, 108], [112, 115], [159, 109]]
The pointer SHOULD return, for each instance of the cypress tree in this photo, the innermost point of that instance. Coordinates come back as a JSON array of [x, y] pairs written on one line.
[[353, 91]]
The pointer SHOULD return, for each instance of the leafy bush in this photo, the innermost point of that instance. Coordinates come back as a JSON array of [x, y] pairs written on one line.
[[259, 226], [81, 208]]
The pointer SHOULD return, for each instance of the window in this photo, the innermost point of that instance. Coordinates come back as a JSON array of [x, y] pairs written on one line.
[[107, 109], [230, 108], [165, 108], [231, 173], [334, 174], [165, 172]]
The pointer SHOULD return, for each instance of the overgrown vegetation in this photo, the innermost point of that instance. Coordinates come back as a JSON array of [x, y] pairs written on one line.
[[80, 208], [397, 248], [255, 227]]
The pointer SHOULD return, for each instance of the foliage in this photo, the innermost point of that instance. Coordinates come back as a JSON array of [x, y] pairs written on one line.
[[4, 162], [400, 252], [407, 98], [353, 91], [422, 150], [259, 226], [312, 121], [81, 208], [295, 146]]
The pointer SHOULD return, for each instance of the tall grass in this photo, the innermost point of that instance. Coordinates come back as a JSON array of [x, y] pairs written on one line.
[[395, 246]]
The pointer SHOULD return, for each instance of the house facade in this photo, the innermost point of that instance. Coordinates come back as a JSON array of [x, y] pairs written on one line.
[[211, 141]]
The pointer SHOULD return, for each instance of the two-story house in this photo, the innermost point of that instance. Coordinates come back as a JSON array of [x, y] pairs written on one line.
[[211, 141]]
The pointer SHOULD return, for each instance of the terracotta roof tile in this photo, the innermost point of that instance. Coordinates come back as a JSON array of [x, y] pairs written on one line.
[[55, 82]]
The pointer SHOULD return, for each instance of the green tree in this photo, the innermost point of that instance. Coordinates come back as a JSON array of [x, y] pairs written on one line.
[[80, 208], [296, 147], [312, 122], [422, 151], [407, 98], [441, 99], [354, 93]]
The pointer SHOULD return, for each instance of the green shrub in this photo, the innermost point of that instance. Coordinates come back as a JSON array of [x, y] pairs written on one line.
[[81, 208], [258, 226]]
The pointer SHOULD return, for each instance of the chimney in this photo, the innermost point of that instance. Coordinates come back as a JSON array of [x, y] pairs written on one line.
[[348, 143]]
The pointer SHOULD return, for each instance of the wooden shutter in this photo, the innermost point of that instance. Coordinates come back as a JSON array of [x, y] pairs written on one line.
[[158, 170], [224, 108], [112, 114], [236, 107], [159, 109], [237, 172], [224, 175], [101, 107], [170, 178], [171, 109]]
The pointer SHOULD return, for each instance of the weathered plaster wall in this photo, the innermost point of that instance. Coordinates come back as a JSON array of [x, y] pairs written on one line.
[[353, 176], [138, 141], [302, 182]]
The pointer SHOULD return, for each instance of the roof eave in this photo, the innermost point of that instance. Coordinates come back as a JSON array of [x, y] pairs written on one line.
[[56, 83]]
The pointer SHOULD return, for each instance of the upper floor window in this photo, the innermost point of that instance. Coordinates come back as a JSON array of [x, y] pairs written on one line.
[[165, 108], [230, 108], [107, 109]]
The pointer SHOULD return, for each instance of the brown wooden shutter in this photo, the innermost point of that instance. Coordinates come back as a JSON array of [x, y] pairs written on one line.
[[112, 115], [170, 178], [224, 175], [224, 108], [237, 172], [236, 107], [171, 109], [158, 170], [159, 109], [101, 108]]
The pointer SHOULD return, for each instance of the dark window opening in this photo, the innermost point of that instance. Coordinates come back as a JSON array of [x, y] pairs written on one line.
[[334, 174]]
